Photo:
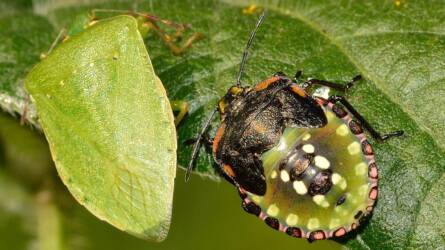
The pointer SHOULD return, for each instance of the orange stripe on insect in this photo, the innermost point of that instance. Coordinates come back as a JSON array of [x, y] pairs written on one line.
[[217, 138], [264, 84], [298, 90], [228, 170]]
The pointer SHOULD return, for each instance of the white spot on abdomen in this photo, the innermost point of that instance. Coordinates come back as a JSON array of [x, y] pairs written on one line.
[[342, 130], [321, 162], [354, 148], [300, 187], [320, 200], [284, 176], [361, 169], [273, 210], [292, 220], [339, 180], [308, 148]]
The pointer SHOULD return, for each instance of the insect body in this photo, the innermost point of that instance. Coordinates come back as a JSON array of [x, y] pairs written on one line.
[[300, 163], [253, 121]]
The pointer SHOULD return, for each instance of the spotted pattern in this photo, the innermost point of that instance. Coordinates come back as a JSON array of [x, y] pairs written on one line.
[[294, 232], [367, 148], [284, 176], [273, 210], [322, 162], [341, 200], [308, 148], [272, 222], [292, 219], [322, 184], [355, 127]]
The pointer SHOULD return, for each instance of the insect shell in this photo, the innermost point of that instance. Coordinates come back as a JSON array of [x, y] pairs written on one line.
[[301, 163]]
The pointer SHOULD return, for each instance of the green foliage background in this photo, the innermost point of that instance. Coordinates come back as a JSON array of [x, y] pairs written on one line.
[[398, 46]]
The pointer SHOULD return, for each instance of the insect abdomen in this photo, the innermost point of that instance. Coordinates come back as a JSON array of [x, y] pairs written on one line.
[[317, 180]]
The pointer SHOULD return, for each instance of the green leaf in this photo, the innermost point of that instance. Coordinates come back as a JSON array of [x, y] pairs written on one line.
[[11, 7], [15, 210], [49, 229], [24, 36], [109, 125], [397, 46], [26, 167], [429, 231], [23, 154]]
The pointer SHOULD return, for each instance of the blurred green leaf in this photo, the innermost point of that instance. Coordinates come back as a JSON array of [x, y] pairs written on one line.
[[398, 46], [17, 220], [24, 154], [24, 36], [11, 7], [109, 125], [49, 221]]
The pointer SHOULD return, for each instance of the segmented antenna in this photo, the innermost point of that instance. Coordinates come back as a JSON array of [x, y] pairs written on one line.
[[198, 144], [246, 50]]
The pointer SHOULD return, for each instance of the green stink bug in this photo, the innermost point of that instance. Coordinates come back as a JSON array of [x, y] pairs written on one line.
[[109, 125]]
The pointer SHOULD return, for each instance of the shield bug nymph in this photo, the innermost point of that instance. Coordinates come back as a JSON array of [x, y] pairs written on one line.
[[301, 163]]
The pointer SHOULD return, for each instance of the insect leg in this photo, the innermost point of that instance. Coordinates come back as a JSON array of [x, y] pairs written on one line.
[[374, 133], [337, 86], [170, 42], [181, 107], [151, 22], [179, 27], [56, 41], [198, 144]]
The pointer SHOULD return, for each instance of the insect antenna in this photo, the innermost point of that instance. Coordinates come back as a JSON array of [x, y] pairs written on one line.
[[197, 145], [198, 141], [248, 45]]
